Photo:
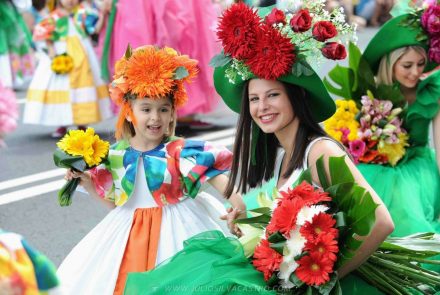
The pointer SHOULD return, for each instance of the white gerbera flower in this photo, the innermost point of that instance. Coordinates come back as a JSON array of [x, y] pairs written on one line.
[[306, 213]]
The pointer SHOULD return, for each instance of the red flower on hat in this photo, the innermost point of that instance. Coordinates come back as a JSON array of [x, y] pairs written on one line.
[[430, 20], [334, 50], [237, 30], [324, 30], [273, 56], [434, 49], [314, 269], [276, 16], [266, 259]]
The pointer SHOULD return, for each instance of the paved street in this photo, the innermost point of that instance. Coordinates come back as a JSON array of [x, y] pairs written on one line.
[[29, 181]]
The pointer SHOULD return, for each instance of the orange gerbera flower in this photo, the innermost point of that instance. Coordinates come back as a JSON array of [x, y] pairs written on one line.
[[150, 73]]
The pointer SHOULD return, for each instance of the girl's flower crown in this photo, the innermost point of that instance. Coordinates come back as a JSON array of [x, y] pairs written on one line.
[[152, 72], [280, 43]]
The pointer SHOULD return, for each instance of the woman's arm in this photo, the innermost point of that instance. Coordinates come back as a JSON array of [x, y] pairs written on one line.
[[87, 183], [383, 225], [436, 133]]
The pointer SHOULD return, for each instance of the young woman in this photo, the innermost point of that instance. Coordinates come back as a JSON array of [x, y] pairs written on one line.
[[411, 189], [281, 112]]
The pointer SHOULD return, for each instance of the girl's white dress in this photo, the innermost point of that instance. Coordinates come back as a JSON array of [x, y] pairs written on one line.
[[79, 97], [93, 266]]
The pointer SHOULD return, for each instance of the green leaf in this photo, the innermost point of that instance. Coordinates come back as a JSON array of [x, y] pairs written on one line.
[[262, 210], [66, 192], [264, 219], [306, 175], [326, 288], [339, 172], [354, 57], [337, 289], [279, 247], [295, 280], [128, 52], [220, 60], [276, 238], [64, 160], [391, 93], [322, 175], [180, 73], [306, 68], [342, 77]]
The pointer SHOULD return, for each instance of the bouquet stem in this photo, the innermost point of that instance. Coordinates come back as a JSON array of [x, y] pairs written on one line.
[[66, 192], [407, 258]]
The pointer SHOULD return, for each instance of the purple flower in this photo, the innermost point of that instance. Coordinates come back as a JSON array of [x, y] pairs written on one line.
[[431, 20], [434, 49], [356, 148]]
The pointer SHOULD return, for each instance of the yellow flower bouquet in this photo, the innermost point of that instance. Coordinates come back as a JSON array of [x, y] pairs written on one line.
[[80, 151], [62, 64]]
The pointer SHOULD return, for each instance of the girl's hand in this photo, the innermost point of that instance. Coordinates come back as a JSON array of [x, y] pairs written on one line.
[[233, 214], [85, 178]]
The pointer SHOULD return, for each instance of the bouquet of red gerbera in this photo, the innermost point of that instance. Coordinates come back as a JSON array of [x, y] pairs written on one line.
[[299, 238]]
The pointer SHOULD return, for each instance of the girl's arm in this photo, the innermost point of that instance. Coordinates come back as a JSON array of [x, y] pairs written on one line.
[[436, 133], [383, 225], [103, 12], [238, 209], [87, 183]]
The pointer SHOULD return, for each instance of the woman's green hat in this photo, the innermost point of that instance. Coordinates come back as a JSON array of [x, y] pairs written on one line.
[[321, 104], [392, 35], [272, 45]]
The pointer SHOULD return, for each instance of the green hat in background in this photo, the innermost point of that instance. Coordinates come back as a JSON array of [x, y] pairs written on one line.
[[391, 36], [319, 100]]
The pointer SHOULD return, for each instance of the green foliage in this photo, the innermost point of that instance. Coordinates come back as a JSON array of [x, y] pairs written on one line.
[[220, 60]]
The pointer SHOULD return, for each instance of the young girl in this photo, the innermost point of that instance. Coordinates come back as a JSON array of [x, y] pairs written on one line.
[[65, 92], [283, 110], [154, 178]]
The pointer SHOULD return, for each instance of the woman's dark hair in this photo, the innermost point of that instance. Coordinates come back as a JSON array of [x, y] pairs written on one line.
[[251, 175]]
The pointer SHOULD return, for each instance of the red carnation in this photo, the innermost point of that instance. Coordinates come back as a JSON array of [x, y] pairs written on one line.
[[326, 244], [274, 54], [276, 16], [434, 49], [321, 223], [307, 193], [431, 20], [237, 30], [301, 21], [314, 269], [334, 50], [284, 216], [266, 259], [324, 30]]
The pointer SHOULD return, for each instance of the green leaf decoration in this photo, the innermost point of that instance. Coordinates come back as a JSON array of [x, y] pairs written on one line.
[[276, 238], [344, 78], [262, 219], [391, 93], [295, 280], [220, 60], [262, 210], [279, 247], [180, 73]]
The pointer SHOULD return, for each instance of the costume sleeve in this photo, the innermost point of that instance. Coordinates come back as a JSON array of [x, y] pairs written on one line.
[[199, 161], [103, 181]]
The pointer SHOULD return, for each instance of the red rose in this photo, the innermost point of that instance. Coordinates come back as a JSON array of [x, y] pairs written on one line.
[[334, 50], [301, 21], [276, 16], [324, 30], [434, 50], [431, 20]]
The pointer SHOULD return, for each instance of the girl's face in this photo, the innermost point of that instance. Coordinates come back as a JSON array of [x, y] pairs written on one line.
[[153, 118], [408, 68], [69, 5], [269, 105]]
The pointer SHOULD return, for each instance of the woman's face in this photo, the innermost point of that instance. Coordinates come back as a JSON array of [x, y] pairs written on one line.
[[408, 68], [269, 105], [153, 118]]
